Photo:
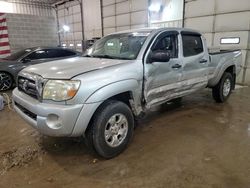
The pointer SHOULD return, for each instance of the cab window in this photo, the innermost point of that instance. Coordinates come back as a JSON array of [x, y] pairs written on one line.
[[192, 45], [168, 44]]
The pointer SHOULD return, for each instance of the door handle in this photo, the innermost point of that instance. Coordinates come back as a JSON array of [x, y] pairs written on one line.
[[176, 66], [203, 61]]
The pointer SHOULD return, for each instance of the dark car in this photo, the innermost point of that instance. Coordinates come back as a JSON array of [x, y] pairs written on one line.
[[11, 65]]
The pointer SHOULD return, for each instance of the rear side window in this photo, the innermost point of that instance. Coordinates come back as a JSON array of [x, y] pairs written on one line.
[[67, 53], [55, 53], [39, 54], [192, 45]]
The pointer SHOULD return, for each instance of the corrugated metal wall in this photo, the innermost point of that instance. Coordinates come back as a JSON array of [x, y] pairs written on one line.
[[218, 19], [70, 14], [92, 19], [128, 14], [124, 14]]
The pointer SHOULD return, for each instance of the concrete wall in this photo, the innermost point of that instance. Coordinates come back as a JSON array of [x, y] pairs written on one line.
[[217, 19], [30, 30], [41, 8]]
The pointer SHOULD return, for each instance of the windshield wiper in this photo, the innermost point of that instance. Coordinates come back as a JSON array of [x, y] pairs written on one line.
[[107, 56], [104, 56], [123, 58], [87, 55]]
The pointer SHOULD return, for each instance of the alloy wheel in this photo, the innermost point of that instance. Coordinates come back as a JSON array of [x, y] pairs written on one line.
[[116, 130]]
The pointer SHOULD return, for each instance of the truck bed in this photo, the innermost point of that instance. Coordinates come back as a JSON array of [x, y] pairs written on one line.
[[222, 51], [221, 59]]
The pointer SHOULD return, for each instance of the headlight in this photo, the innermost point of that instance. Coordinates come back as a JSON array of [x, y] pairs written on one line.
[[60, 90]]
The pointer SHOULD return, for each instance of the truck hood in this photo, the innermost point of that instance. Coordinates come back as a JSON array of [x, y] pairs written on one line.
[[71, 67]]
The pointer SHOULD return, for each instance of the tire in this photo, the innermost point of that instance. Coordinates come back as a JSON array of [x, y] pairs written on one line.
[[111, 129], [223, 89], [6, 81]]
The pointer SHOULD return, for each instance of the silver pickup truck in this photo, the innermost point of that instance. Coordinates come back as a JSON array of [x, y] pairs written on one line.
[[121, 76]]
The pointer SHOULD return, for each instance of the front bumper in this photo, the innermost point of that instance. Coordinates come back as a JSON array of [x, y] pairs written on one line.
[[49, 119]]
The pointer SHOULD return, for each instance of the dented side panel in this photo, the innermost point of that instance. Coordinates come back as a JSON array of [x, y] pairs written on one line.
[[160, 81], [163, 82], [160, 78]]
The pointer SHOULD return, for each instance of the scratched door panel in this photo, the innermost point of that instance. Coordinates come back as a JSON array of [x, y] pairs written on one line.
[[195, 63], [162, 81]]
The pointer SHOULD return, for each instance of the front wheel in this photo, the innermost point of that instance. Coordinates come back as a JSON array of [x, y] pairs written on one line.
[[6, 81], [223, 89], [111, 129]]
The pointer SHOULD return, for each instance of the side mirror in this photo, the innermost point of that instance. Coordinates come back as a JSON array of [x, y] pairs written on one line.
[[159, 56]]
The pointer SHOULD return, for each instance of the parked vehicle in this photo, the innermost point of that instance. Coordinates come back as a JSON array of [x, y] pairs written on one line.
[[122, 75], [11, 65]]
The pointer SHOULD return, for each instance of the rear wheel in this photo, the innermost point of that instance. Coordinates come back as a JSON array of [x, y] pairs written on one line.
[[223, 89], [6, 81], [111, 129]]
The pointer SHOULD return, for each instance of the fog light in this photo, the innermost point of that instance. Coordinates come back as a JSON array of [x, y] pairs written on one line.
[[53, 121]]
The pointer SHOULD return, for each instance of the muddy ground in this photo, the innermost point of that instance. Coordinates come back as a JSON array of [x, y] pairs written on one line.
[[197, 144]]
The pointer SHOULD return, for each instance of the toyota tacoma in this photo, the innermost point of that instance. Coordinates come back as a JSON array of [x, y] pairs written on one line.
[[121, 76]]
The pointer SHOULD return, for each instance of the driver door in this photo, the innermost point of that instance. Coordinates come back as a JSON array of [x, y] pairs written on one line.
[[163, 79]]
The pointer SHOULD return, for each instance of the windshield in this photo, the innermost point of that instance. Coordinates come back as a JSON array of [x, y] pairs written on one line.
[[118, 46], [18, 54]]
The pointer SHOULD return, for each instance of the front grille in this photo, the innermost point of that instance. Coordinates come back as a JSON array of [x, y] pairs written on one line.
[[27, 112], [28, 86]]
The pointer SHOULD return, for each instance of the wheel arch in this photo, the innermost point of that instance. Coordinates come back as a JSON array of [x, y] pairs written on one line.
[[231, 68], [124, 97], [129, 94]]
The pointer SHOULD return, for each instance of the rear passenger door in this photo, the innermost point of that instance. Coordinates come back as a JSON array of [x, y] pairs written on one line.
[[195, 60]]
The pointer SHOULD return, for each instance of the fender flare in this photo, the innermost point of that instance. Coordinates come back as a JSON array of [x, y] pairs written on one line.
[[113, 89], [98, 97], [217, 78]]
